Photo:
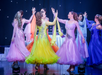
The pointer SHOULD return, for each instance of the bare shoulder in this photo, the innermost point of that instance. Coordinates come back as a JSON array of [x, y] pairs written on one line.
[[76, 22], [99, 27]]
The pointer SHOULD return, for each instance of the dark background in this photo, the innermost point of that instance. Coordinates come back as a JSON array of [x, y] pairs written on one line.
[[8, 8]]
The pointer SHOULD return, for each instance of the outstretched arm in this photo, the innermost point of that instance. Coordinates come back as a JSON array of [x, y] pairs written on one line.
[[52, 23], [60, 20], [33, 13], [83, 22]]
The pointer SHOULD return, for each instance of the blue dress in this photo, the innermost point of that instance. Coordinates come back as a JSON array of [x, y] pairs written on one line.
[[82, 47], [95, 47]]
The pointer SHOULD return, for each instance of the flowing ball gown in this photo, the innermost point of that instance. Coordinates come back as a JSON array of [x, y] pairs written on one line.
[[42, 52], [18, 50], [29, 32], [68, 52], [95, 47], [83, 47]]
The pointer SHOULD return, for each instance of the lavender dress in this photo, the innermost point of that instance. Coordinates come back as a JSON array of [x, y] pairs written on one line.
[[18, 50], [68, 52]]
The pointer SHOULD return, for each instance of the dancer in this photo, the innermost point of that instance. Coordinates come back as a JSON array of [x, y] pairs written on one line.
[[42, 52], [95, 45], [29, 29], [55, 47], [83, 27], [18, 50], [68, 52]]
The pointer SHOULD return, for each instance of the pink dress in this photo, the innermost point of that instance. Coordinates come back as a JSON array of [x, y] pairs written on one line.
[[69, 53], [18, 50]]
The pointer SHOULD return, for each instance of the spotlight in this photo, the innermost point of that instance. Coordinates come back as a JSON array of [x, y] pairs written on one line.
[[16, 68], [81, 69]]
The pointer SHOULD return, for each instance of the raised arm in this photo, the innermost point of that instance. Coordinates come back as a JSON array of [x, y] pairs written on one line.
[[33, 13], [52, 23], [60, 20], [83, 22], [28, 21]]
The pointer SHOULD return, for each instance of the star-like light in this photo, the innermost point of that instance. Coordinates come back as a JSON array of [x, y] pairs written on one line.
[[39, 4], [0, 9], [80, 2], [32, 0], [5, 37], [16, 2], [11, 1], [26, 11], [7, 16], [59, 5]]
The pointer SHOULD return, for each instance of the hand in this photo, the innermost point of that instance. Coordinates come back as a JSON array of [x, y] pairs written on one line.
[[85, 14], [83, 40], [53, 10], [33, 10], [56, 12]]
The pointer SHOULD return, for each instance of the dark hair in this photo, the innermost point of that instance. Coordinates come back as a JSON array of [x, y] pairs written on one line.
[[44, 9], [18, 18], [38, 18], [99, 17], [75, 16], [21, 11], [80, 14]]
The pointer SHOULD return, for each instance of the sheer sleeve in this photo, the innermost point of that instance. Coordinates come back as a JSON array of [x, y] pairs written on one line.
[[83, 22], [89, 25], [28, 21], [52, 23], [61, 20], [79, 29]]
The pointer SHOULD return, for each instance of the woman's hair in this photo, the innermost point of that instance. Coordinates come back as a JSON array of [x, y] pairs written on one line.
[[80, 13], [44, 9], [38, 18], [21, 11], [99, 17], [18, 18], [75, 16]]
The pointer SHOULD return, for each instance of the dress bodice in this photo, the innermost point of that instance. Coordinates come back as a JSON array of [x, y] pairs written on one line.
[[42, 30], [95, 33], [70, 28]]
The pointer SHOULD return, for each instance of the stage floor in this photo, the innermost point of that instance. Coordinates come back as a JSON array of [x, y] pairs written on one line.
[[55, 69]]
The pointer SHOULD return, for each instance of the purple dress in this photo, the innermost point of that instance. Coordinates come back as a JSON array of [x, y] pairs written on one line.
[[68, 52], [18, 50]]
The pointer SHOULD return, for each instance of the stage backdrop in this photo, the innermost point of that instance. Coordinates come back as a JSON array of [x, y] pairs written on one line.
[[8, 8]]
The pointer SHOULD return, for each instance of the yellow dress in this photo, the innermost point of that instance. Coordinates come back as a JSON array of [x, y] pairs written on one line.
[[42, 52]]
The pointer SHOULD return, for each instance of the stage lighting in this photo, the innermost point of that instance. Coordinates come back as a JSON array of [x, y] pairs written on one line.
[[16, 68], [81, 69]]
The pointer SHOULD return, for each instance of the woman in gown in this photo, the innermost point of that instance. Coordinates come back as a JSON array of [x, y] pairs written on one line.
[[95, 45], [83, 28], [18, 50], [29, 47], [42, 52], [68, 52]]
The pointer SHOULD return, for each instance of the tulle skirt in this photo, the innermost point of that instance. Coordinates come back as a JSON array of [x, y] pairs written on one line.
[[42, 53], [18, 50], [69, 53]]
